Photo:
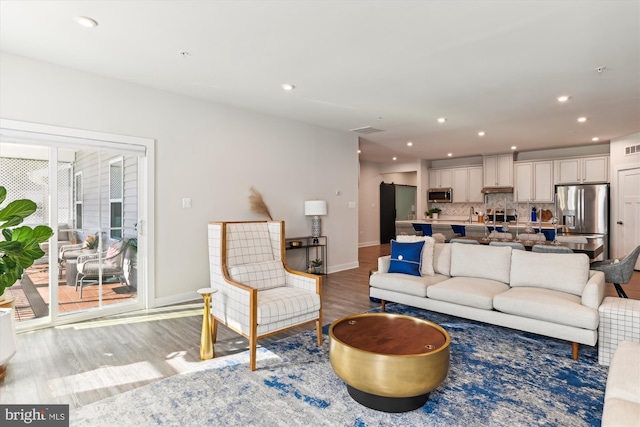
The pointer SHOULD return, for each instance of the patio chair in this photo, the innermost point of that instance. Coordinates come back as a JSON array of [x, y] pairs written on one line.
[[514, 245], [618, 272], [92, 267], [551, 249], [258, 294]]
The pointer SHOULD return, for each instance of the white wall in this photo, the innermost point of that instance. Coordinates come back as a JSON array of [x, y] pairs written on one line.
[[208, 152], [369, 204]]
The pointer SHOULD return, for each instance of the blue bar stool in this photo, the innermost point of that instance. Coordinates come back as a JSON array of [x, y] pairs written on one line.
[[459, 229]]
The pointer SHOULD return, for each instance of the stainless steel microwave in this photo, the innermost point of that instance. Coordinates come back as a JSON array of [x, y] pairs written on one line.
[[440, 195]]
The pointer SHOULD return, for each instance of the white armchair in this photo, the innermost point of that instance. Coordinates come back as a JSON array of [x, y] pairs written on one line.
[[258, 295]]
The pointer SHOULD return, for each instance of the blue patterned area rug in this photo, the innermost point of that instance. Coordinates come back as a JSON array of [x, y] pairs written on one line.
[[497, 377]]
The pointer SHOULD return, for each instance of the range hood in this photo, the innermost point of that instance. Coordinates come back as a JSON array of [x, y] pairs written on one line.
[[494, 190]]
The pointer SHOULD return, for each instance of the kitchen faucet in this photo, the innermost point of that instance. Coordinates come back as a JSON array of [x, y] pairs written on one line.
[[470, 214]]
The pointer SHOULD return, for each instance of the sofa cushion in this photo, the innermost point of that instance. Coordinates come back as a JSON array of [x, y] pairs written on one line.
[[404, 283], [442, 258], [426, 268], [622, 394], [469, 291], [406, 257], [259, 275], [481, 261], [548, 305], [559, 272]]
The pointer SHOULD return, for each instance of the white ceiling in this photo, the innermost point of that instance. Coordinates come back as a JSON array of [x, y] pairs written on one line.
[[496, 66]]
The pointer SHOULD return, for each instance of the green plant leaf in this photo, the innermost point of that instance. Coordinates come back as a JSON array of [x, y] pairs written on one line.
[[12, 222], [11, 248], [7, 233], [22, 234], [42, 233], [3, 194], [22, 208]]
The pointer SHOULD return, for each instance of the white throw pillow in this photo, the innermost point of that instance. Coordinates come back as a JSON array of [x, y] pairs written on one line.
[[427, 251], [442, 258]]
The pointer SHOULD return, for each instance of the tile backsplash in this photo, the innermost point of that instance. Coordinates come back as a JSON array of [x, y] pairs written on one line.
[[493, 200]]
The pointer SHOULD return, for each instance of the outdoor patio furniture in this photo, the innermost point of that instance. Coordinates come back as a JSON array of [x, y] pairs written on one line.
[[92, 267]]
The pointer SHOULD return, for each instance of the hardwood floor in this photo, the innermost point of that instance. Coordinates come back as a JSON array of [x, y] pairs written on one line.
[[85, 362]]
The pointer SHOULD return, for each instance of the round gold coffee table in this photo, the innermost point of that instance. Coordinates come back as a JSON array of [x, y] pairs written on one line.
[[390, 362]]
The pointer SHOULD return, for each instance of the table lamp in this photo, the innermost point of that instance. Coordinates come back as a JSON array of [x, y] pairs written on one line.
[[315, 208]]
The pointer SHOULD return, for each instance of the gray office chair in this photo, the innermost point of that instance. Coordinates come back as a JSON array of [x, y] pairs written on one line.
[[551, 249], [465, 241], [620, 272], [514, 245]]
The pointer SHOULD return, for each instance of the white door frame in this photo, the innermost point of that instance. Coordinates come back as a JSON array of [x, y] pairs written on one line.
[[617, 232], [18, 130]]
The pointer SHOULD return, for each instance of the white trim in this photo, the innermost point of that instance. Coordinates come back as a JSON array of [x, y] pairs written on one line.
[[343, 267], [366, 244], [177, 299]]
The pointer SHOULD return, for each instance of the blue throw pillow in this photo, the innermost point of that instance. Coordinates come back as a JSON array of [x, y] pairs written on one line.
[[406, 257]]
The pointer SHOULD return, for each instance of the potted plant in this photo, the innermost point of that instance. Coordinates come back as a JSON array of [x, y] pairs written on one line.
[[315, 266], [435, 212], [20, 246]]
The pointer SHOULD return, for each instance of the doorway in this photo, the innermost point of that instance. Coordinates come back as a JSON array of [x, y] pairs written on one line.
[[397, 202], [92, 189], [628, 221]]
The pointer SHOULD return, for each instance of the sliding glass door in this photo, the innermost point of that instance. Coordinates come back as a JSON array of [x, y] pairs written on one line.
[[93, 194]]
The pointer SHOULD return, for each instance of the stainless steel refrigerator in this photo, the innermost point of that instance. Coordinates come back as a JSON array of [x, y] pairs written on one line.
[[584, 211]]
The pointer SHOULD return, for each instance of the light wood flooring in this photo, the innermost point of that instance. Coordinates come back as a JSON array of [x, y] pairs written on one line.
[[86, 362]]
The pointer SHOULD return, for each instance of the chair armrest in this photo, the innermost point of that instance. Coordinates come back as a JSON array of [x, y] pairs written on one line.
[[384, 262], [85, 258], [593, 292], [64, 248], [305, 281]]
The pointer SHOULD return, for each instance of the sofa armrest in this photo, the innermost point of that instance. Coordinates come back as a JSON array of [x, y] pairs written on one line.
[[593, 292], [383, 264]]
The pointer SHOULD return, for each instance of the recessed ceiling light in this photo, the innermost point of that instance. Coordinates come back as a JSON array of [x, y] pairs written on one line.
[[449, 154], [481, 133], [184, 53], [442, 120], [395, 158], [410, 144], [288, 87], [359, 151], [595, 138], [513, 147], [563, 98], [582, 119], [85, 21]]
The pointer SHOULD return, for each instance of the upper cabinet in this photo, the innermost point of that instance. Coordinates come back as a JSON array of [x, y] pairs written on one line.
[[534, 181], [498, 170], [467, 184], [582, 170], [440, 178]]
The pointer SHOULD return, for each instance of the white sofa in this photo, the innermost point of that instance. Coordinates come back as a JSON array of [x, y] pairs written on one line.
[[555, 295], [622, 395]]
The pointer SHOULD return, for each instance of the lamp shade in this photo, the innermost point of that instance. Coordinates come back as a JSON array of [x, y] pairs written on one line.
[[315, 207]]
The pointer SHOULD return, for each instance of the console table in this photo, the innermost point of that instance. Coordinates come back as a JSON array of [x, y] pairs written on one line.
[[307, 243]]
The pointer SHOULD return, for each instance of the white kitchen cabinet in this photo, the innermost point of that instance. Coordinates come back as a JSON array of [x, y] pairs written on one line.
[[582, 170], [498, 170], [534, 181], [467, 184], [440, 178], [474, 189]]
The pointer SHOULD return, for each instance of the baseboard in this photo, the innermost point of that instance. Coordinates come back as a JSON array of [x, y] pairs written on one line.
[[342, 267], [176, 299], [365, 244]]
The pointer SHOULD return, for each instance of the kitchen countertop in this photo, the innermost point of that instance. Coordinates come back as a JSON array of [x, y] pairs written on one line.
[[454, 221]]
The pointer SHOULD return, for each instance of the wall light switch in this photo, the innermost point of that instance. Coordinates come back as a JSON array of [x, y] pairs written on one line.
[[352, 205], [186, 203]]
